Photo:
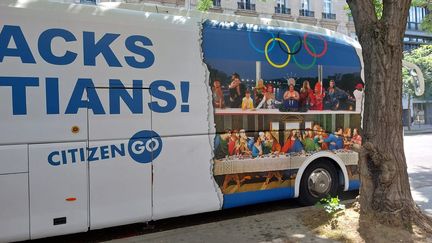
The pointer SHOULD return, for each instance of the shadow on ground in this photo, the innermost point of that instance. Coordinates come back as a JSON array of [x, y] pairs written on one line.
[[184, 221]]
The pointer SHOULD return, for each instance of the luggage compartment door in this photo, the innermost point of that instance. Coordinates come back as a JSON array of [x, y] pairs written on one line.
[[120, 168]]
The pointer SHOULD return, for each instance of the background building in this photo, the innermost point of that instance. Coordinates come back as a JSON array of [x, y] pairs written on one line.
[[414, 36], [330, 14]]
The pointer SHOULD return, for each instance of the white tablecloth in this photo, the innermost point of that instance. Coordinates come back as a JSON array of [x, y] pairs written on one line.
[[234, 165]]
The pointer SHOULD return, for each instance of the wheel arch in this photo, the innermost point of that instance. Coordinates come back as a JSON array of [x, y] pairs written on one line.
[[339, 165]]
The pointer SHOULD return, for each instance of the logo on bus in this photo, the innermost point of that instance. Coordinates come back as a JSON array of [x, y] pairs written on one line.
[[143, 147]]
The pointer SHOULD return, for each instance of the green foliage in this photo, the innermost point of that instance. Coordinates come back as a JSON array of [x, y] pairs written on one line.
[[422, 57], [427, 21], [407, 85], [378, 8], [330, 204], [204, 5]]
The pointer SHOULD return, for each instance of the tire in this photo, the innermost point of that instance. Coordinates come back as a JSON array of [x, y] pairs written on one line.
[[320, 171]]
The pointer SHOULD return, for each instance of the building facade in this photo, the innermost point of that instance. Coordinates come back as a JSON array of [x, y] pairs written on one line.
[[414, 35], [330, 14]]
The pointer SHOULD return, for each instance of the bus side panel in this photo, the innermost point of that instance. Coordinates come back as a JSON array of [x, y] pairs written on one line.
[[14, 208], [58, 189], [120, 188], [14, 201], [183, 178]]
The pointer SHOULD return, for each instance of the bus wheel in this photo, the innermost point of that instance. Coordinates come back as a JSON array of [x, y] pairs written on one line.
[[318, 180]]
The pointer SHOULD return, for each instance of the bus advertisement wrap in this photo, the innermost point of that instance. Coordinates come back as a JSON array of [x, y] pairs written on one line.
[[273, 92], [140, 116]]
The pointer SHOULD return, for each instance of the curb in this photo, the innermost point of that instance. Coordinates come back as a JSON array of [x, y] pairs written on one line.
[[414, 132]]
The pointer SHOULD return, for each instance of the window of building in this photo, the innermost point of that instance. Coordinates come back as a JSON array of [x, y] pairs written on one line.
[[282, 7], [305, 4], [246, 4], [216, 3], [415, 17], [305, 9], [327, 6], [327, 10]]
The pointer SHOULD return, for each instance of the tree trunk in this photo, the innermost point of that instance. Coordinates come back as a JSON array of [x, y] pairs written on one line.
[[385, 191]]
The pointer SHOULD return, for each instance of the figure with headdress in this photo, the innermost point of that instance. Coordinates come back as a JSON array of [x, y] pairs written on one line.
[[318, 97], [290, 100]]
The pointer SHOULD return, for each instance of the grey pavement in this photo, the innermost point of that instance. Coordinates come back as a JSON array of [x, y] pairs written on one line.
[[277, 226], [418, 129], [283, 225], [418, 152]]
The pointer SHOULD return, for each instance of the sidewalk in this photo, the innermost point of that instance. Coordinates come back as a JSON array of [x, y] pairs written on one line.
[[282, 226], [418, 129]]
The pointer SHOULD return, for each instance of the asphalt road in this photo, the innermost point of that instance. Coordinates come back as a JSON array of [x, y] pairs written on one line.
[[418, 151]]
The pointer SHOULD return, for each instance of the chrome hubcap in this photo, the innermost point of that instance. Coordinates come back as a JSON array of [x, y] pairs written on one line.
[[319, 182]]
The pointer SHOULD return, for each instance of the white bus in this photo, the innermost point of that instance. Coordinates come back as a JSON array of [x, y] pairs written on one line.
[[112, 115]]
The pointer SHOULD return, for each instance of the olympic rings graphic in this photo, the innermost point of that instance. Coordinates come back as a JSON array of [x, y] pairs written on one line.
[[267, 57], [290, 53], [304, 67], [324, 51], [255, 48]]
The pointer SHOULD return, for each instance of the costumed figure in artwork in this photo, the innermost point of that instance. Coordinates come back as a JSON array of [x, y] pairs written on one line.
[[308, 141], [318, 97], [290, 100], [236, 91], [292, 144], [306, 96], [218, 98], [249, 140], [333, 97], [322, 135], [335, 140], [273, 146], [268, 102], [259, 91], [257, 149], [356, 139], [359, 96], [347, 138], [233, 142], [242, 149], [247, 102], [276, 148], [221, 144]]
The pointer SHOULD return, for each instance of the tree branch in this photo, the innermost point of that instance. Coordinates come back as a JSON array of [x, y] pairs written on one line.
[[395, 14], [363, 12]]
